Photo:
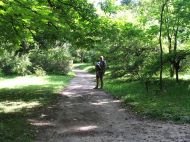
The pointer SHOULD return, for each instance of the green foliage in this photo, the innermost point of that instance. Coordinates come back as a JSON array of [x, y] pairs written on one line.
[[132, 49], [11, 64], [131, 54], [22, 64], [43, 23], [57, 60], [108, 6], [39, 71]]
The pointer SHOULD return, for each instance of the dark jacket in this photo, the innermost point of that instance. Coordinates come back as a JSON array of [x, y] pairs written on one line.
[[101, 66]]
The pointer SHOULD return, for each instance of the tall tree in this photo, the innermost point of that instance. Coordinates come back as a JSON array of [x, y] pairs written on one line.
[[160, 41]]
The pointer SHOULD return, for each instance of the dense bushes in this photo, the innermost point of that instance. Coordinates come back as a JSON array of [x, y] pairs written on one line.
[[11, 64], [56, 60]]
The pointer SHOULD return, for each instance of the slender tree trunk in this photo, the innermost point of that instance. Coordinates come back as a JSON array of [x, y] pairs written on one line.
[[175, 39], [177, 69], [175, 52], [177, 74], [169, 46], [160, 42], [82, 57], [170, 51]]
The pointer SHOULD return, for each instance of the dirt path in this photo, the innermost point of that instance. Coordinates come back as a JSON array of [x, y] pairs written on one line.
[[87, 115]]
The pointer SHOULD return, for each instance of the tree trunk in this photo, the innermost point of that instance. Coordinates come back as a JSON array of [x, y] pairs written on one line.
[[160, 42], [82, 57], [175, 39], [171, 71], [169, 48], [176, 66], [177, 74]]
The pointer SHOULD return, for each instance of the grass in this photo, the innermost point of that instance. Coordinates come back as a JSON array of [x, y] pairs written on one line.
[[172, 104], [21, 98]]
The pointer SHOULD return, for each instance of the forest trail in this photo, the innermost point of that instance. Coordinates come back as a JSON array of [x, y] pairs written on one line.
[[88, 115]]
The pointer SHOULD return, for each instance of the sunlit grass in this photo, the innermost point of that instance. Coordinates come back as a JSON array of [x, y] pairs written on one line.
[[22, 81], [11, 106], [20, 98]]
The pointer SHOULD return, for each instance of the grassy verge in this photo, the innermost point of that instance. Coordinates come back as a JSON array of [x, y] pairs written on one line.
[[172, 104], [21, 98]]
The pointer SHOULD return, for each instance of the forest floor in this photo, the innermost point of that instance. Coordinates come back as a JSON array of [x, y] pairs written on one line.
[[83, 114]]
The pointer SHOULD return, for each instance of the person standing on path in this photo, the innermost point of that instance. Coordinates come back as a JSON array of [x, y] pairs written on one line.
[[100, 70]]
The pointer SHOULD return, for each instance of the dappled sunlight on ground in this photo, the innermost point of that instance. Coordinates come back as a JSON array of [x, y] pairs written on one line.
[[40, 122], [103, 102], [122, 110], [100, 103], [22, 100], [82, 74], [25, 92], [85, 128], [87, 76], [75, 86], [67, 93], [10, 106], [78, 130], [84, 66], [22, 81]]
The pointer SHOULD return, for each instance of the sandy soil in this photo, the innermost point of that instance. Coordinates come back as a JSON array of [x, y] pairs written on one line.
[[87, 115]]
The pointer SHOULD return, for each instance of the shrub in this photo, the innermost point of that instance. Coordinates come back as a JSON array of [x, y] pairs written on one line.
[[39, 71], [21, 65], [56, 60], [11, 64]]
